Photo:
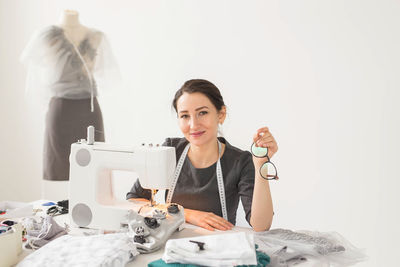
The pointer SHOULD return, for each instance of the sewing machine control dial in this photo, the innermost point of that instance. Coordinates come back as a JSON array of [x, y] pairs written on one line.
[[152, 223], [173, 208]]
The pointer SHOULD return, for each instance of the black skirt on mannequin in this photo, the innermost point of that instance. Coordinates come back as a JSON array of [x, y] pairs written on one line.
[[66, 122]]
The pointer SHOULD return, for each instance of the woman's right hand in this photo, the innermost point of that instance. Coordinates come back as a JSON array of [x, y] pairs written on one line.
[[207, 220], [139, 199]]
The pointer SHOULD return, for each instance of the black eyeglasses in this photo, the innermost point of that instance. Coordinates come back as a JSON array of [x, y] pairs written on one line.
[[268, 170]]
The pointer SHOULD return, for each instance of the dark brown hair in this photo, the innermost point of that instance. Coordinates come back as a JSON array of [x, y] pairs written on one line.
[[200, 86]]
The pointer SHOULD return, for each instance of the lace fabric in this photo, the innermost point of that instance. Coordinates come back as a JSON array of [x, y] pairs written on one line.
[[288, 248], [321, 245]]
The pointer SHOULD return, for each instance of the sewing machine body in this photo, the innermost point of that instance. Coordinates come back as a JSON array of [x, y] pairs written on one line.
[[91, 200]]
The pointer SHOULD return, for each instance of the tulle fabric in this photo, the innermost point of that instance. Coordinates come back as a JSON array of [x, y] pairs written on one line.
[[56, 69]]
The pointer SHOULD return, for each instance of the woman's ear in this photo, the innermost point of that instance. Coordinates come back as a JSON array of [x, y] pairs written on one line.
[[222, 115]]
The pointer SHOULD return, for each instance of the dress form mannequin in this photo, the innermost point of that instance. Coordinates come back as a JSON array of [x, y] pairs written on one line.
[[67, 62], [74, 31]]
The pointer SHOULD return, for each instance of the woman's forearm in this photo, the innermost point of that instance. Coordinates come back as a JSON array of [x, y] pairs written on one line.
[[261, 208]]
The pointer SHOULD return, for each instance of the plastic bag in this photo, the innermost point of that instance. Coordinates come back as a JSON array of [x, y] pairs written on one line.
[[288, 248]]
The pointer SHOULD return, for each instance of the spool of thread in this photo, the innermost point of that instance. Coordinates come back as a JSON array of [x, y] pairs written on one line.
[[90, 135]]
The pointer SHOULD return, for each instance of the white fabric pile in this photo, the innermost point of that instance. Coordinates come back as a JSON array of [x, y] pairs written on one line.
[[97, 250], [219, 250]]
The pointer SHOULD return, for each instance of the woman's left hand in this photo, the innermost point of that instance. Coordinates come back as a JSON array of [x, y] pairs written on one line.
[[263, 138]]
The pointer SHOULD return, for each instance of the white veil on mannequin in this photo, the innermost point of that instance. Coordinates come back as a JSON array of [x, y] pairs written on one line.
[[46, 56]]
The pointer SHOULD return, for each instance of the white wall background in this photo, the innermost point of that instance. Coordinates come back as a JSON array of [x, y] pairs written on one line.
[[323, 75]]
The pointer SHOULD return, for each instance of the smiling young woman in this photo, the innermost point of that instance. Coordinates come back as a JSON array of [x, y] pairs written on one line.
[[215, 174]]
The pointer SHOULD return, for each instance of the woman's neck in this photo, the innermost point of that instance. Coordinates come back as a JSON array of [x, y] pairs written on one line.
[[69, 18], [205, 155]]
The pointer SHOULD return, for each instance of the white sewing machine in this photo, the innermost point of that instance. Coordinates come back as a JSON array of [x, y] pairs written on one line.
[[91, 200]]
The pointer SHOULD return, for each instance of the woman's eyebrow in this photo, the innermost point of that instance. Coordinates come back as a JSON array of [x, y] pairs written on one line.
[[197, 109], [201, 108]]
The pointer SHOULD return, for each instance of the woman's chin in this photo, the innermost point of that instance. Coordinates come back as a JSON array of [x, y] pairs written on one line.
[[197, 140]]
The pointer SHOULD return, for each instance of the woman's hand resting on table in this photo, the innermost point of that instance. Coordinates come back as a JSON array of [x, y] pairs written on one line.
[[207, 220]]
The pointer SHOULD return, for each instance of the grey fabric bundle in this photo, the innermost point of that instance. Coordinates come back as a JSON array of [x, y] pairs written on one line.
[[49, 231]]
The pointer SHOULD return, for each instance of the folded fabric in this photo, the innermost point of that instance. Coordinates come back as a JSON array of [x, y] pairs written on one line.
[[161, 263], [228, 249], [262, 261], [96, 250]]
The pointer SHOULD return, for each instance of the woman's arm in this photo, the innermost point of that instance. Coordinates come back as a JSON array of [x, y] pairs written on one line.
[[262, 208]]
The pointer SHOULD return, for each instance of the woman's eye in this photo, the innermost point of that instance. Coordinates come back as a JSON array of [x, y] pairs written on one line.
[[203, 113], [184, 116]]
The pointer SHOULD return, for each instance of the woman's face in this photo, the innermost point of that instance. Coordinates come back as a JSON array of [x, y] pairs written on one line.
[[198, 118]]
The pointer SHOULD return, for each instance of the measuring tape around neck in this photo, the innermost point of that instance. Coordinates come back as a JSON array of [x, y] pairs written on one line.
[[220, 180]]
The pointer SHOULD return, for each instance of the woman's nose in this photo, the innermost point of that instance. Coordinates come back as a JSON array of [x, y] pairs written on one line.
[[193, 122]]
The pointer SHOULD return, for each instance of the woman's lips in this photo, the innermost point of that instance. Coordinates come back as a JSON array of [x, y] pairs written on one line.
[[197, 134]]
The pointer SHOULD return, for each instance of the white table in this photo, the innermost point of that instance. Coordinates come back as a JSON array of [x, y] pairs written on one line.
[[143, 259]]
